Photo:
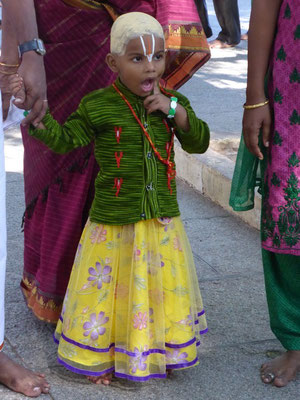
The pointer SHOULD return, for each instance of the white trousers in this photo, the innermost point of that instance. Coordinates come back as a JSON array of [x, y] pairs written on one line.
[[2, 230]]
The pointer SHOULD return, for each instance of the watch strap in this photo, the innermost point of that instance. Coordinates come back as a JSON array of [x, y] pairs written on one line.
[[36, 45]]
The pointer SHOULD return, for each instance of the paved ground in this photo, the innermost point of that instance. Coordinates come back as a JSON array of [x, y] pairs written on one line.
[[228, 264], [227, 256], [217, 90]]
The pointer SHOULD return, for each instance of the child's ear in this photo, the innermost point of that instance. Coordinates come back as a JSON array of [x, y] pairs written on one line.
[[112, 62]]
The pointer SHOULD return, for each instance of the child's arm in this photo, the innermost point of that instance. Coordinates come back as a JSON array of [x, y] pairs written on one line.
[[77, 131], [192, 132], [158, 101], [17, 89], [196, 139]]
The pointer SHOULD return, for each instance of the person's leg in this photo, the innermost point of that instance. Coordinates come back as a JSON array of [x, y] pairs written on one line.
[[282, 280], [227, 13], [12, 375], [202, 11]]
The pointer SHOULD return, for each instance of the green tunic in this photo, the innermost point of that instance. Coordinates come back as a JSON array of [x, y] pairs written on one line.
[[132, 184]]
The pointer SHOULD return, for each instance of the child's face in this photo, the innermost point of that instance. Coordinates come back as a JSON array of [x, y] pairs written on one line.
[[142, 65]]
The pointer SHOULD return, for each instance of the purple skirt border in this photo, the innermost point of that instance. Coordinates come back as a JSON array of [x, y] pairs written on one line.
[[129, 353], [120, 350], [125, 376]]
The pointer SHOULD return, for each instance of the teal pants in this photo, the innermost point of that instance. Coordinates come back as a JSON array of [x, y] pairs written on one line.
[[282, 280]]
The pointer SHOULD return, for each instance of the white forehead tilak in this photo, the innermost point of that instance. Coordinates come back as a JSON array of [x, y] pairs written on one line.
[[133, 25], [147, 53]]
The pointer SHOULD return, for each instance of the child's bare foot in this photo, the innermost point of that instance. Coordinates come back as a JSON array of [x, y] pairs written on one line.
[[104, 379], [169, 373], [20, 379], [281, 370]]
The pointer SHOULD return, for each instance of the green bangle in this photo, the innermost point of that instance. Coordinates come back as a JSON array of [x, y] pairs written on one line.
[[25, 113], [173, 105]]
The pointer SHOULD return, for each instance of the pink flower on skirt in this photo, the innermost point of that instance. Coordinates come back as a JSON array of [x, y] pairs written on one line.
[[98, 234], [136, 253], [140, 321], [177, 244]]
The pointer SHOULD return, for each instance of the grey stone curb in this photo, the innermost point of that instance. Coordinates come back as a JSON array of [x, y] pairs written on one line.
[[211, 174]]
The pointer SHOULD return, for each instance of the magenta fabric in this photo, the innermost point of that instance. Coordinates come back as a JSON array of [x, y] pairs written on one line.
[[281, 203]]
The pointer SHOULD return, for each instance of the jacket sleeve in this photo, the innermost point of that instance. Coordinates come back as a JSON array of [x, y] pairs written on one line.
[[77, 131], [196, 140]]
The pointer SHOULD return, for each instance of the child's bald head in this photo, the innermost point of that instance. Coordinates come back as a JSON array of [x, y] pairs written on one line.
[[131, 25]]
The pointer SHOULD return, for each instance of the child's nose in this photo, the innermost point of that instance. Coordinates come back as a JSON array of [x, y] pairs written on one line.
[[150, 66]]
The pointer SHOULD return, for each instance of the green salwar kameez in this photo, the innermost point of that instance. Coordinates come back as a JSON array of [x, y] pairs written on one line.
[[278, 179], [282, 280]]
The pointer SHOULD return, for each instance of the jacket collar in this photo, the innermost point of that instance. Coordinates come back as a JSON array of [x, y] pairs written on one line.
[[131, 97]]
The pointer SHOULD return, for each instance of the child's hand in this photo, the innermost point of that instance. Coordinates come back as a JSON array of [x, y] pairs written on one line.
[[157, 101], [17, 89]]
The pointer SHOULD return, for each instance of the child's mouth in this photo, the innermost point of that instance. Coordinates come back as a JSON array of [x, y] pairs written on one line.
[[147, 85]]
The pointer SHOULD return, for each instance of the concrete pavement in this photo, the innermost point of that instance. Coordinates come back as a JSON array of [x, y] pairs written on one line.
[[227, 257], [217, 93]]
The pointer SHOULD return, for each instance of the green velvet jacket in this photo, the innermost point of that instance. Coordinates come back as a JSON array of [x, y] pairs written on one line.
[[132, 184]]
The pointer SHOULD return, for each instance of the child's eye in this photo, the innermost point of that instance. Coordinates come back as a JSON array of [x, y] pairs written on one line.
[[137, 59], [158, 56]]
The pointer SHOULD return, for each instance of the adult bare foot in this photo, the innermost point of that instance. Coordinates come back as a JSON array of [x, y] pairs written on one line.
[[218, 44], [282, 369], [20, 379], [104, 379]]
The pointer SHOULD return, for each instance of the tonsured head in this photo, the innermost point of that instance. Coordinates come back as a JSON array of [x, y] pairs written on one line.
[[132, 25], [137, 51]]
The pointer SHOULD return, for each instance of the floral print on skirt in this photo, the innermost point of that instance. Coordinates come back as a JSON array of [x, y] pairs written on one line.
[[133, 305]]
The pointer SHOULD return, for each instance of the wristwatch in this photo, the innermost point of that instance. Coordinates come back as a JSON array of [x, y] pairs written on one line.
[[36, 45]]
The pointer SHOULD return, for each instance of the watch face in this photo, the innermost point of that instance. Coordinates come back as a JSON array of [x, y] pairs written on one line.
[[40, 47]]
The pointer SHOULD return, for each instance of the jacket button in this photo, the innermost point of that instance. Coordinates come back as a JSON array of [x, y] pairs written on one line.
[[143, 215], [149, 154]]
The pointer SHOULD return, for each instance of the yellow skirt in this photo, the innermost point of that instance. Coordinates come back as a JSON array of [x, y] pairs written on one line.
[[133, 305]]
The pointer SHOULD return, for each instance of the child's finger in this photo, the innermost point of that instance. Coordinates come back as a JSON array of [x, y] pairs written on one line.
[[149, 100], [20, 97], [33, 114], [37, 121], [154, 106], [13, 80], [156, 89], [15, 87]]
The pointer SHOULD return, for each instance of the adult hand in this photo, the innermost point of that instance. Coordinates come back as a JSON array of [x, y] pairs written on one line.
[[253, 121], [33, 73]]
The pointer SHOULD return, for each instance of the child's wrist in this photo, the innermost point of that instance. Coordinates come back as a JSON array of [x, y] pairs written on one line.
[[173, 106]]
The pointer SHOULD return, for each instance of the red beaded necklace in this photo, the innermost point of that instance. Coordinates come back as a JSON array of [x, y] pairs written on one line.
[[171, 173]]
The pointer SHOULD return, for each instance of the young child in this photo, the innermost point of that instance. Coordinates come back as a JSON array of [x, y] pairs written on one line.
[[133, 305]]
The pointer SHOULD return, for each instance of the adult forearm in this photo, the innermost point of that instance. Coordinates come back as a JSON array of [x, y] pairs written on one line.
[[263, 21], [9, 50], [21, 14]]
